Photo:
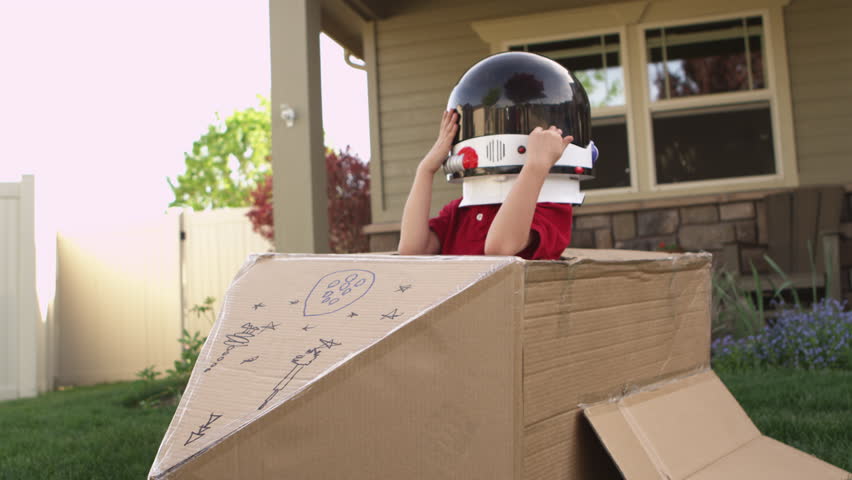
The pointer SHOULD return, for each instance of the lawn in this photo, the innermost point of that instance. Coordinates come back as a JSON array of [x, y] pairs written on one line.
[[80, 433], [88, 433], [809, 410]]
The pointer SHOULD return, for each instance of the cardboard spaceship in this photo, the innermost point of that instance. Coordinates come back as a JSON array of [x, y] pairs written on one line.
[[380, 366]]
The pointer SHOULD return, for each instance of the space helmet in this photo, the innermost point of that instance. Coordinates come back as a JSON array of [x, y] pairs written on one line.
[[499, 101]]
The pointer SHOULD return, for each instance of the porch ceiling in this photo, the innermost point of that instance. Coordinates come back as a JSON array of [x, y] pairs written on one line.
[[370, 9]]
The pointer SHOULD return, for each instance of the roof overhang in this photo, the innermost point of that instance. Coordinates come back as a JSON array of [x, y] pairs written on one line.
[[344, 21]]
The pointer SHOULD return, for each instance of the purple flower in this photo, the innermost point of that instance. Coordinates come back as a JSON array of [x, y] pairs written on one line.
[[815, 338]]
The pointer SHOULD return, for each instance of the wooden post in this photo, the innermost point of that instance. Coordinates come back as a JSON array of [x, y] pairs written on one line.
[[298, 154], [831, 250]]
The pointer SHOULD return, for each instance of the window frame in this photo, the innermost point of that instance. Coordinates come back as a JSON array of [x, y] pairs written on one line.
[[721, 100], [604, 112], [631, 21]]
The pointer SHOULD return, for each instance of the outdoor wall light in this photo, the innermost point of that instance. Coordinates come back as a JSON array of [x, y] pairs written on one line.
[[288, 115]]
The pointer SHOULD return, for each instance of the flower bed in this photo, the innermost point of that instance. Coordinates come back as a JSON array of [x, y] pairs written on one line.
[[817, 338]]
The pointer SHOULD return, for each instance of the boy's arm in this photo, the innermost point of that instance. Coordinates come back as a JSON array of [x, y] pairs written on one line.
[[510, 230], [415, 237]]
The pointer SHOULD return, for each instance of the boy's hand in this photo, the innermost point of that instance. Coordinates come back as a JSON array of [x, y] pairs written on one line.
[[544, 148], [439, 152]]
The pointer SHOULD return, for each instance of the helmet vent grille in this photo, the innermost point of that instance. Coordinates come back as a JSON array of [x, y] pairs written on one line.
[[495, 151]]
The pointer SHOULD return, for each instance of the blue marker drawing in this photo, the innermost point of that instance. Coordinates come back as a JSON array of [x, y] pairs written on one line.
[[337, 290]]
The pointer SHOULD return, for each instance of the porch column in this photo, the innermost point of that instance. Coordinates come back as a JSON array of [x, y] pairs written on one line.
[[298, 161]]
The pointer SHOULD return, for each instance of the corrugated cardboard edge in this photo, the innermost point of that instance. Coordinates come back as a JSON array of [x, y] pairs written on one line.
[[635, 457], [500, 263], [580, 255]]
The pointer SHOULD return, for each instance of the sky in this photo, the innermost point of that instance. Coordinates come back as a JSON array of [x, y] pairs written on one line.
[[100, 98]]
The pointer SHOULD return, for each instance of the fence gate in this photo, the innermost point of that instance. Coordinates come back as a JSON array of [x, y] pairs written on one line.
[[19, 318], [216, 243]]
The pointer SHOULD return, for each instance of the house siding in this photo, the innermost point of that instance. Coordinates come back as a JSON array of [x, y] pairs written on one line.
[[818, 41], [416, 74]]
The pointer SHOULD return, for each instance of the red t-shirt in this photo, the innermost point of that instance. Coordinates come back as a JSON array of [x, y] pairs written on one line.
[[462, 230]]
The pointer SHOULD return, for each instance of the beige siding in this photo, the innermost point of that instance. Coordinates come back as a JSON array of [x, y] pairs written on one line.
[[818, 41], [421, 54], [423, 49]]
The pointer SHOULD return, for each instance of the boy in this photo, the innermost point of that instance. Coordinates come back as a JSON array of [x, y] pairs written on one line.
[[519, 226]]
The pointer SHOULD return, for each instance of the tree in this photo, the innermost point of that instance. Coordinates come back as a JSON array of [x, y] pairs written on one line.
[[227, 162], [348, 189], [593, 79], [709, 74]]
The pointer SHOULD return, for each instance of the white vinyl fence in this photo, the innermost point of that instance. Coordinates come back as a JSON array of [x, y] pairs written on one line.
[[216, 244], [21, 333], [123, 295]]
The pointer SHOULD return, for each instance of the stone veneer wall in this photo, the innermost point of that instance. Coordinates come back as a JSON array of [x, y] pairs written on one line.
[[691, 228], [706, 226]]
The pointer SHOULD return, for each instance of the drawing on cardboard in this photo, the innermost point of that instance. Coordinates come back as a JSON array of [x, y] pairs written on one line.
[[392, 314], [299, 362], [195, 435], [241, 338], [338, 290], [257, 359]]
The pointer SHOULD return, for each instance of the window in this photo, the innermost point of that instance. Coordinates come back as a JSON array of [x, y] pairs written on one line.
[[705, 58], [709, 139], [688, 96], [596, 62]]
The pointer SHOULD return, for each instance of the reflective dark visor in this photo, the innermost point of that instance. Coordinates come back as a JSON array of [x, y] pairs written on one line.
[[514, 92]]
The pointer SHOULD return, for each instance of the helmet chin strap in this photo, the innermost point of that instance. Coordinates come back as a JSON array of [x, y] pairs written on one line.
[[493, 189]]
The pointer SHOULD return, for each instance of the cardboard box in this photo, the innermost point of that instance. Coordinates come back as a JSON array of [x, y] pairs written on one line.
[[372, 366]]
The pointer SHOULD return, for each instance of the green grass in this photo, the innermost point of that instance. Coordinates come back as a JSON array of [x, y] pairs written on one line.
[[81, 433], [89, 433], [809, 410]]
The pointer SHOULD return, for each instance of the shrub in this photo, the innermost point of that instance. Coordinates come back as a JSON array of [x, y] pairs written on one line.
[[260, 213], [817, 338], [348, 190]]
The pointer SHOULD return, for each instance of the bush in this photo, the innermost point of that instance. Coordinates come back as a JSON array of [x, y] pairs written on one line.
[[817, 338], [348, 190]]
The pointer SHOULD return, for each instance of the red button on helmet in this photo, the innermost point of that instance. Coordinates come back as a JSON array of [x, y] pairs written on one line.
[[469, 158]]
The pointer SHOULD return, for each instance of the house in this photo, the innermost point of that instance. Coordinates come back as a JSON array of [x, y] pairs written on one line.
[[702, 109]]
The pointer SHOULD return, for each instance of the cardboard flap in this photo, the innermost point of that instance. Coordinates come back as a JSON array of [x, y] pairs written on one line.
[[289, 320], [766, 459], [693, 428]]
